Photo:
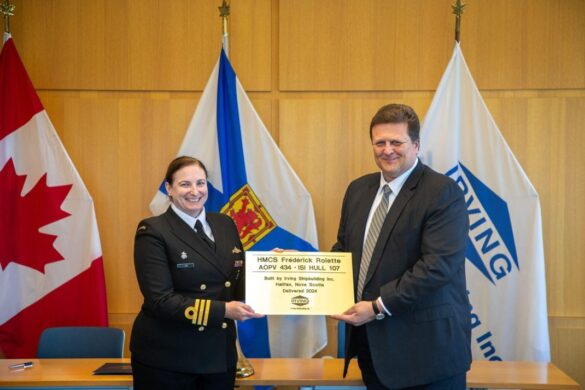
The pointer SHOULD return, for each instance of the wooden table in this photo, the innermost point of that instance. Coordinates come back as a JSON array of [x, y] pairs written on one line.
[[289, 372]]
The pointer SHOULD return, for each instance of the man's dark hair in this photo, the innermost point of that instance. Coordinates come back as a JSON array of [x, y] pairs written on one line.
[[398, 113]]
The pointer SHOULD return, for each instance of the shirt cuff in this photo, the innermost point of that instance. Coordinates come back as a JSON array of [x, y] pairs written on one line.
[[379, 300]]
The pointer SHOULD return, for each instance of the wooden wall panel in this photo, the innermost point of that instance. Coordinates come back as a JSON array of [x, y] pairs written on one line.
[[251, 43], [526, 46], [404, 45], [367, 45], [567, 336], [137, 45]]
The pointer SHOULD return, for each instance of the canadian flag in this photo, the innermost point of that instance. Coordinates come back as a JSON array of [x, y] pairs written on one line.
[[51, 271]]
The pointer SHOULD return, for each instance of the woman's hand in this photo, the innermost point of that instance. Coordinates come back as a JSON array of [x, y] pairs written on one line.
[[280, 250], [236, 310]]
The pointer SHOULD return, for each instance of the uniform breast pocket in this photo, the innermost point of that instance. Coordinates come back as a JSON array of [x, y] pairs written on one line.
[[183, 273], [185, 269]]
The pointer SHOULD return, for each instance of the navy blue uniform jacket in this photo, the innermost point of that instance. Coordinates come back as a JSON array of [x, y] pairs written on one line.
[[176, 270]]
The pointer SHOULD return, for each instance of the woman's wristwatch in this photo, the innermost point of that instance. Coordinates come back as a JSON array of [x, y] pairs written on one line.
[[379, 315]]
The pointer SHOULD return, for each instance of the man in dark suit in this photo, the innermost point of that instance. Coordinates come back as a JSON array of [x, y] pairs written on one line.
[[406, 229]]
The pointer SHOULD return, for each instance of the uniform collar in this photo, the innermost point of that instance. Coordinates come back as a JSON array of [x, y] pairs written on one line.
[[189, 220]]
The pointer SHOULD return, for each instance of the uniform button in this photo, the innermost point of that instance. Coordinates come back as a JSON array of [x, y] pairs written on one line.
[[224, 325], [201, 329], [203, 287], [227, 284]]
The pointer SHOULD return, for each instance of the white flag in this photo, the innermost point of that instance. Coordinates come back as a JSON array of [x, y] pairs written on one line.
[[251, 181], [505, 267]]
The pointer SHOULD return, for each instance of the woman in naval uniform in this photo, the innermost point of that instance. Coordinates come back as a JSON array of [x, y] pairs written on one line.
[[190, 269]]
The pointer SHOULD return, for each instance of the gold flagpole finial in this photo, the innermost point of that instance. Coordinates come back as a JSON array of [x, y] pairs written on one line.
[[224, 12], [8, 10], [458, 11], [224, 9]]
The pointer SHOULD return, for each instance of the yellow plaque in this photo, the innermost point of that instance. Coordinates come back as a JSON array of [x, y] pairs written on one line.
[[303, 283]]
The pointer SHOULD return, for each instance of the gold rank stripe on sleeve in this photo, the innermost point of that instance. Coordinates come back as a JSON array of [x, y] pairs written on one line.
[[203, 312], [199, 312], [196, 310], [206, 315]]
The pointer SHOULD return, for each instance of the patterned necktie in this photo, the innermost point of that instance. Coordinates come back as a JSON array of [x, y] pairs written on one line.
[[372, 238], [201, 233]]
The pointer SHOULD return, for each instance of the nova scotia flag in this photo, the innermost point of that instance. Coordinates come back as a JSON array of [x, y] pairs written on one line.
[[251, 181], [505, 267]]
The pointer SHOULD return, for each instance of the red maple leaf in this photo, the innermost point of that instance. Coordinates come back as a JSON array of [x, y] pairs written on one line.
[[21, 217]]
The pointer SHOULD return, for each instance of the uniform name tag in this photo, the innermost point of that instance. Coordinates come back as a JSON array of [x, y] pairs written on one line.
[[185, 265]]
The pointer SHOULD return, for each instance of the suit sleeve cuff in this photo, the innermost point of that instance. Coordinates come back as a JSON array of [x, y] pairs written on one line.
[[381, 303]]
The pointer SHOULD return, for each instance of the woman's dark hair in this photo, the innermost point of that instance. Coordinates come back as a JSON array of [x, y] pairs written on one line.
[[180, 162]]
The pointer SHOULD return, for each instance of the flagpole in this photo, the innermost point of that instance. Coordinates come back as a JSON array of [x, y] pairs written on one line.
[[458, 11], [8, 10], [224, 12], [243, 367]]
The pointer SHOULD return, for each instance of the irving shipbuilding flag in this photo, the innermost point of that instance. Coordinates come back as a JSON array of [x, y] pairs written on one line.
[[505, 256]]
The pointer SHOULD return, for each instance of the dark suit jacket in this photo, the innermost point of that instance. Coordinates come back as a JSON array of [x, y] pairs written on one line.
[[418, 268], [174, 267]]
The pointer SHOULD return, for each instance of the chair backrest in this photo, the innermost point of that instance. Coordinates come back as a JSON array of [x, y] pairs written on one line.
[[81, 342]]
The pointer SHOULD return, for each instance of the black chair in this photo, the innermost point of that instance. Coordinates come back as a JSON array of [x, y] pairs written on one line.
[[81, 342]]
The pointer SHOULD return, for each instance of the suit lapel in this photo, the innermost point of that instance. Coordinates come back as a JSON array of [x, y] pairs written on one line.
[[362, 213], [404, 196], [186, 234]]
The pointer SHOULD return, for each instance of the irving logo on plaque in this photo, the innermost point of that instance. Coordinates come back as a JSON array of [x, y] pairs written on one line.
[[299, 300]]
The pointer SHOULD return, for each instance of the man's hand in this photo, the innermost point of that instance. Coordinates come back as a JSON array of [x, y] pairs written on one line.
[[359, 314], [235, 310]]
